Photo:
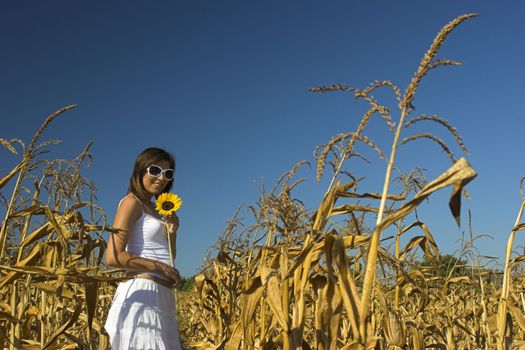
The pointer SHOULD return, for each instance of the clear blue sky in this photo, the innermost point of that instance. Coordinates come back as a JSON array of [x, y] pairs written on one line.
[[223, 85]]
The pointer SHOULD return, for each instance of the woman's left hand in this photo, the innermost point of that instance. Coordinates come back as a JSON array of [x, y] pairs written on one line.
[[172, 223]]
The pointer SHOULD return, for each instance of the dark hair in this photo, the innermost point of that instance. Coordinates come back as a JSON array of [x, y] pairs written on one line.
[[146, 158]]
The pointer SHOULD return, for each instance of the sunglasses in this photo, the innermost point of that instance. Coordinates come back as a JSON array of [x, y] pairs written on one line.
[[155, 171]]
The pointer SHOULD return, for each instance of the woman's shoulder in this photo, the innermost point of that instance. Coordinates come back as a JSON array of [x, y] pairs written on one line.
[[131, 205]]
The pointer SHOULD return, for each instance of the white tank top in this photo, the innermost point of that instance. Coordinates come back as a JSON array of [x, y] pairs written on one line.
[[149, 239]]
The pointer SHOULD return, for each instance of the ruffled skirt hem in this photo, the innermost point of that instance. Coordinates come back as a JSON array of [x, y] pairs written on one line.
[[142, 316]]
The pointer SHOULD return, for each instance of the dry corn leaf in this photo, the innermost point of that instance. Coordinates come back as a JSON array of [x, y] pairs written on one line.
[[9, 317], [517, 313], [344, 188], [416, 339], [234, 342], [517, 260], [519, 227], [249, 302], [32, 311], [91, 290], [273, 295], [33, 256], [428, 247], [453, 280], [434, 252], [354, 241], [325, 208], [350, 208], [459, 175], [5, 306], [66, 326], [203, 345], [347, 288], [59, 228], [33, 209], [4, 180], [331, 303], [394, 197], [96, 323], [29, 344]]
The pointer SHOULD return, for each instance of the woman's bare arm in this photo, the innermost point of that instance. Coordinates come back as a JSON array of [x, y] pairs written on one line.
[[117, 256]]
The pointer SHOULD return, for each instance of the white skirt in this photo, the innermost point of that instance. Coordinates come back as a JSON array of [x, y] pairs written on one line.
[[142, 316]]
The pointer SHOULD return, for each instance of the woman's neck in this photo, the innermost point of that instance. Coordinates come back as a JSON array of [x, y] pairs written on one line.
[[144, 200]]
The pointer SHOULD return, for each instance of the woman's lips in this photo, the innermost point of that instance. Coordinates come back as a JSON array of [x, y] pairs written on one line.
[[158, 185]]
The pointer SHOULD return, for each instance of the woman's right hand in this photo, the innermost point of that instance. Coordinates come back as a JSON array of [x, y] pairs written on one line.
[[171, 273]]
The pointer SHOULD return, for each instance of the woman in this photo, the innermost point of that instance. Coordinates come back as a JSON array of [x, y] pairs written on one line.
[[142, 315]]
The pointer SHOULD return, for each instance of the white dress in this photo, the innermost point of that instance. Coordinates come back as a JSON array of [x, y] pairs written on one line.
[[142, 314]]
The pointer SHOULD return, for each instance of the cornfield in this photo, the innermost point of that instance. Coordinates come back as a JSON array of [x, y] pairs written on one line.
[[292, 278]]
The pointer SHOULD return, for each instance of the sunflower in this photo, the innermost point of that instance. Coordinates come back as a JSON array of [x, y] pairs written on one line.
[[167, 204]]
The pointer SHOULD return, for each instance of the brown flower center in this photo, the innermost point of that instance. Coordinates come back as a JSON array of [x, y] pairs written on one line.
[[167, 205]]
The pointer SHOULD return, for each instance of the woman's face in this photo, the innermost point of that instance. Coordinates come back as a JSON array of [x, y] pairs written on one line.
[[155, 185]]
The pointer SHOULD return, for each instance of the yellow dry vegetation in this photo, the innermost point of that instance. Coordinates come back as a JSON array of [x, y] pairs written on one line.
[[323, 280], [292, 278], [54, 289]]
